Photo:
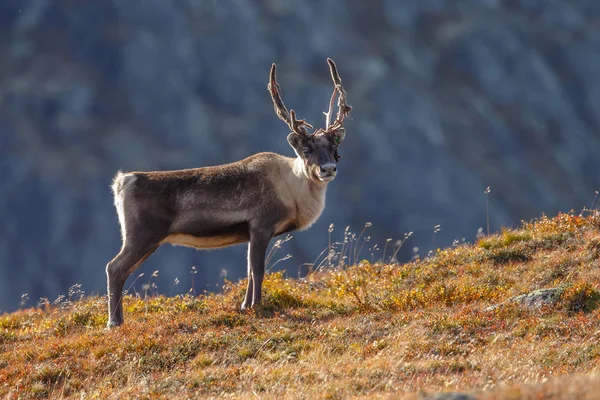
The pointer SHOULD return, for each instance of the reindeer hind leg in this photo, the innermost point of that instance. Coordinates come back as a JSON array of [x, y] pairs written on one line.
[[118, 269]]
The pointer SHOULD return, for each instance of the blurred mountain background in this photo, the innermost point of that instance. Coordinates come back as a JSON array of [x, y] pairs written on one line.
[[449, 98]]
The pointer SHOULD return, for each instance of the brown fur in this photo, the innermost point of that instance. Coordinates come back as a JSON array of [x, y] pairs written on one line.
[[208, 208]]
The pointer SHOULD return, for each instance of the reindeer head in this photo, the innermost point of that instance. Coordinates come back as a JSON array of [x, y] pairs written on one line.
[[319, 149]]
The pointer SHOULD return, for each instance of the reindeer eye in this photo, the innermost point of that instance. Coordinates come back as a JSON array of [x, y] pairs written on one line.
[[306, 150]]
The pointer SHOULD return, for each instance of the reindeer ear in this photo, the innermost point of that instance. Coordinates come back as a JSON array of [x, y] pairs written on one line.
[[339, 135], [296, 141]]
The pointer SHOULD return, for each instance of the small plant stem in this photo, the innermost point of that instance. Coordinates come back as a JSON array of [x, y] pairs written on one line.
[[487, 209]]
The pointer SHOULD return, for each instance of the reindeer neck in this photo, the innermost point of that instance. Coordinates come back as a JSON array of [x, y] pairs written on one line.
[[308, 195]]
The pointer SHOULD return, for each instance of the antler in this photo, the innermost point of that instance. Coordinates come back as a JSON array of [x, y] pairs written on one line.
[[343, 108], [297, 125]]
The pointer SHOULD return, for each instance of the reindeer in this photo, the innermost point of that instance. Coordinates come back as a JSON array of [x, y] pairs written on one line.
[[251, 200]]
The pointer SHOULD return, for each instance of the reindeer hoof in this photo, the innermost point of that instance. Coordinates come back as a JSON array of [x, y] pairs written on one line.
[[113, 324], [246, 306]]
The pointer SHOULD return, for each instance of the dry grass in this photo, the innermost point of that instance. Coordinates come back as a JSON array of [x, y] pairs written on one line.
[[367, 331]]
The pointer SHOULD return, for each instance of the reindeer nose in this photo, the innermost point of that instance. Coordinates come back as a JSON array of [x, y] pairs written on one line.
[[328, 168]]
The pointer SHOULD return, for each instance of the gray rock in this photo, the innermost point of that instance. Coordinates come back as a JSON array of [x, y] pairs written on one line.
[[535, 299], [449, 396], [539, 298]]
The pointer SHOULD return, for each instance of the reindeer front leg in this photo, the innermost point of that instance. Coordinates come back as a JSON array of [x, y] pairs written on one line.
[[259, 241], [248, 299]]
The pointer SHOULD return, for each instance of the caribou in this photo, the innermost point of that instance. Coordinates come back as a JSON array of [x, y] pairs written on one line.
[[251, 200]]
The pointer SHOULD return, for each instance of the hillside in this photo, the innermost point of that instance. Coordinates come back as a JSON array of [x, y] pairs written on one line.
[[449, 97], [439, 324]]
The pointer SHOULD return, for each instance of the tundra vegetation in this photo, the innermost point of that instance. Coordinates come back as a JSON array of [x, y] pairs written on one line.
[[369, 329]]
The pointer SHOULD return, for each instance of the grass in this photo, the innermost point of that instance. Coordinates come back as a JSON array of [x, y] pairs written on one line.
[[370, 330]]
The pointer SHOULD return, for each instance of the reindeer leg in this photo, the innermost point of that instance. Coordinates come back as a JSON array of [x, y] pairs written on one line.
[[249, 290], [259, 240], [118, 269]]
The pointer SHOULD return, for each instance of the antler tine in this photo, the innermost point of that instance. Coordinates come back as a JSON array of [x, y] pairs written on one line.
[[298, 126], [275, 91], [328, 113], [343, 108]]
